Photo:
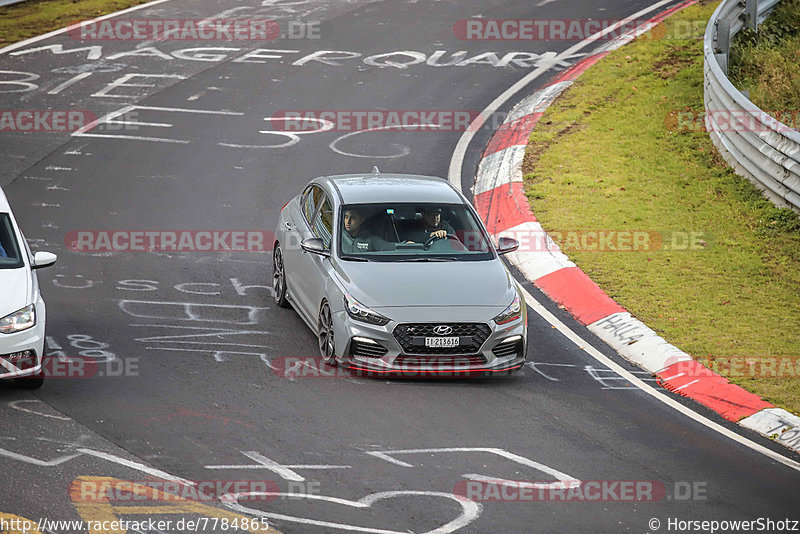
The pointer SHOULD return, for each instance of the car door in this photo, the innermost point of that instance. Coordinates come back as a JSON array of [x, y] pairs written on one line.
[[315, 267], [306, 271], [297, 227]]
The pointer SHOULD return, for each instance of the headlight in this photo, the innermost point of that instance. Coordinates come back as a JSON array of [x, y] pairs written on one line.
[[359, 312], [512, 313], [19, 320]]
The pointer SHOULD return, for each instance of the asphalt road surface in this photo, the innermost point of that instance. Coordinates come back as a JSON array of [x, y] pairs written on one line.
[[191, 346]]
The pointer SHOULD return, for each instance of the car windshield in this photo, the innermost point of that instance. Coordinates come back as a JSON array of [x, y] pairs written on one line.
[[411, 232], [10, 257]]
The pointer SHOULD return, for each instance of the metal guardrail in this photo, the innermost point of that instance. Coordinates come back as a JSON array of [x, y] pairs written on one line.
[[756, 145]]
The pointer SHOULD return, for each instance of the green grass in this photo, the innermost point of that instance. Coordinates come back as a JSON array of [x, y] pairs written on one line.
[[767, 62], [35, 17], [610, 155]]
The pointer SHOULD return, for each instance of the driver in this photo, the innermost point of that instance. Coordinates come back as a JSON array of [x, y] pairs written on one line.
[[355, 238], [431, 225]]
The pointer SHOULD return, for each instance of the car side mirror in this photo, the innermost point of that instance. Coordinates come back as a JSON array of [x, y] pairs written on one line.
[[315, 245], [43, 259], [506, 245]]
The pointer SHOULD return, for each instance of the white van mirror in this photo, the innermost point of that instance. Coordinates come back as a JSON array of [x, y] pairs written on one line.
[[43, 259]]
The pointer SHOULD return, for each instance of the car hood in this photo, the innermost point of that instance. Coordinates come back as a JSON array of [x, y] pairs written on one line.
[[464, 283], [15, 288]]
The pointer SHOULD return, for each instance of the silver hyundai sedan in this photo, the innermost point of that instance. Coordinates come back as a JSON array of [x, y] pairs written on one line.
[[396, 274]]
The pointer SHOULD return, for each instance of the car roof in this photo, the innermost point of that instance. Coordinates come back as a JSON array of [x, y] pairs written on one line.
[[378, 187]]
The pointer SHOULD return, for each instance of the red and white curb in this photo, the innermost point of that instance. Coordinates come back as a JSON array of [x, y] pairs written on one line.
[[501, 202]]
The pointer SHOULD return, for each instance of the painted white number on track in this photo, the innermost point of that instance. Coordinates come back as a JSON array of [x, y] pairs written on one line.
[[286, 472], [113, 120], [294, 137], [562, 479], [21, 79], [125, 118], [87, 346]]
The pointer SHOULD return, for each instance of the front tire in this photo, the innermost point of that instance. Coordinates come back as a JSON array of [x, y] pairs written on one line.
[[279, 278], [325, 335], [30, 382]]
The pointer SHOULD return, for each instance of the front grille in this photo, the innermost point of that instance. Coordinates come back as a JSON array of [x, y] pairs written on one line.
[[411, 337], [405, 361], [367, 350], [502, 350]]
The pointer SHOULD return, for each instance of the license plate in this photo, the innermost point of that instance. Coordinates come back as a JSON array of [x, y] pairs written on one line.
[[441, 342]]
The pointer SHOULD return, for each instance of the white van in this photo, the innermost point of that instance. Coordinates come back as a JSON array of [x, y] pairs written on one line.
[[22, 313]]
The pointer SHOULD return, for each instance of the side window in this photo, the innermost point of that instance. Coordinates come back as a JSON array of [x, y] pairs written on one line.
[[10, 256], [311, 201], [323, 222]]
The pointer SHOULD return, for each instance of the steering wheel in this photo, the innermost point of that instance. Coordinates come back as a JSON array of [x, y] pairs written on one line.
[[433, 238]]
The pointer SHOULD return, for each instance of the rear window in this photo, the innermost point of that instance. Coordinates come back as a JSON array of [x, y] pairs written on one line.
[[10, 255]]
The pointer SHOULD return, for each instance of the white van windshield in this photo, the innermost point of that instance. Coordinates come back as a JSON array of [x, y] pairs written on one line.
[[10, 254]]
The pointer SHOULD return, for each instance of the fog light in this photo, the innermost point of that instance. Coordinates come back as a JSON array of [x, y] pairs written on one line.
[[22, 360], [510, 346], [365, 347]]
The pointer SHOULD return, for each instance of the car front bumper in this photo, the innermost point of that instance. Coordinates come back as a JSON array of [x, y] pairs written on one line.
[[502, 351]]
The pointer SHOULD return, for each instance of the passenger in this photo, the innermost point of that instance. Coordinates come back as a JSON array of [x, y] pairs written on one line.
[[356, 239], [430, 226]]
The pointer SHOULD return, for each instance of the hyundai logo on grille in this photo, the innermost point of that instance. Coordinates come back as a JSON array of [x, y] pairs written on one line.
[[442, 330]]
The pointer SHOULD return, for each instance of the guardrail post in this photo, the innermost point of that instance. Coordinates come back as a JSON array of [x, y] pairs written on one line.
[[751, 14], [722, 43]]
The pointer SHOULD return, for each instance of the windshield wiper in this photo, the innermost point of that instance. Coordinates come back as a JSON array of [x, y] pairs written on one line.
[[433, 258], [353, 258]]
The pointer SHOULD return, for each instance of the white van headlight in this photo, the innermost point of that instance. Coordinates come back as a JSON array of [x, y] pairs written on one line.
[[19, 320]]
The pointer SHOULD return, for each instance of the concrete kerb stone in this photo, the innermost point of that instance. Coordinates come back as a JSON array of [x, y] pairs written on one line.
[[777, 424]]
